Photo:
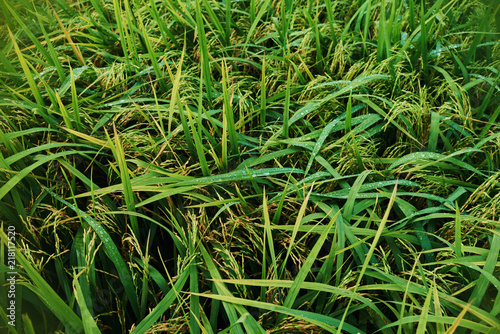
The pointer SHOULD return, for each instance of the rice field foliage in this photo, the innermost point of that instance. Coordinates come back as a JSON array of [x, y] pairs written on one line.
[[251, 166]]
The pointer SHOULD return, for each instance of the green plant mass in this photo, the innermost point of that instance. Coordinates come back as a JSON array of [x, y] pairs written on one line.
[[249, 166]]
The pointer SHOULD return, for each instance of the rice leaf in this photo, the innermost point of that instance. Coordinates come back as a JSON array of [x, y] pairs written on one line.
[[46, 294], [111, 251]]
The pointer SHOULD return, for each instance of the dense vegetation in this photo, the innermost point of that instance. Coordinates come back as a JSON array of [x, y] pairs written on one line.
[[251, 166]]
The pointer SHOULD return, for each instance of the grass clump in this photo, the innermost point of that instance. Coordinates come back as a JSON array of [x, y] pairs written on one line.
[[250, 166]]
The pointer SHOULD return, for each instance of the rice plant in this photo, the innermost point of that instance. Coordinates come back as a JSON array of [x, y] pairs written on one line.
[[249, 166]]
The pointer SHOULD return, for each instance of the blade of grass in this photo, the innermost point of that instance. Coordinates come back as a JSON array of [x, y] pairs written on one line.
[[26, 30], [458, 231], [145, 277], [458, 320], [224, 158], [76, 109], [27, 324], [111, 251], [482, 31], [31, 81], [194, 301], [218, 27], [295, 230], [323, 287], [54, 58], [422, 322], [349, 205], [263, 9], [411, 14], [437, 307], [228, 110], [471, 326], [268, 236], [286, 110], [46, 294], [423, 40], [326, 322], [492, 121], [479, 112], [331, 21], [152, 57], [228, 22], [146, 323], [131, 25], [164, 30], [205, 60], [319, 41], [383, 35], [224, 292], [7, 187], [121, 30], [489, 267], [97, 5], [312, 106], [83, 286], [434, 132], [119, 154], [199, 146], [89, 324], [304, 271], [370, 252], [77, 52], [175, 91], [263, 92]]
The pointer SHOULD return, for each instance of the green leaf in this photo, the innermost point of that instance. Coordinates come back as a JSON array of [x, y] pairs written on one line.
[[47, 295], [89, 324], [111, 251], [308, 263], [326, 322], [162, 306]]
